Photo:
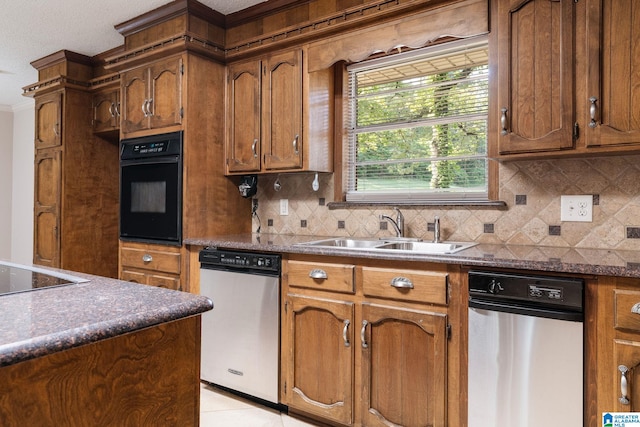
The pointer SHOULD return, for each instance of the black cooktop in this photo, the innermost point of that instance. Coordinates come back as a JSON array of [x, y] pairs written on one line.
[[16, 278]]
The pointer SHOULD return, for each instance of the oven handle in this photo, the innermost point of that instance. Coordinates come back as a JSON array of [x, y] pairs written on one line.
[[526, 310], [148, 160]]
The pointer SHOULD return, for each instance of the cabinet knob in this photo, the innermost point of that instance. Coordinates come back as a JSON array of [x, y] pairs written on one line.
[[295, 144], [147, 258], [318, 273], [624, 388], [401, 283], [593, 111], [503, 121], [363, 331], [253, 148], [345, 333]]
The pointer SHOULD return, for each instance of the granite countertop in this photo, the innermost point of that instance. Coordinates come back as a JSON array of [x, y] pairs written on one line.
[[49, 320], [600, 262]]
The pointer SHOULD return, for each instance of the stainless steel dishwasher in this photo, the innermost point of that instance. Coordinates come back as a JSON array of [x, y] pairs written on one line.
[[525, 350], [240, 336]]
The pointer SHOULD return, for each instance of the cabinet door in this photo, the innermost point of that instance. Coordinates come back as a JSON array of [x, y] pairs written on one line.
[[535, 75], [614, 73], [627, 370], [106, 115], [48, 180], [134, 112], [165, 93], [319, 358], [243, 137], [404, 367], [282, 111], [48, 112]]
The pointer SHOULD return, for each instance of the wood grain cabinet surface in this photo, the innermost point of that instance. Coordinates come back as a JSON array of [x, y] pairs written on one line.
[[150, 264], [152, 96], [567, 78], [106, 111], [274, 120], [75, 188], [364, 354]]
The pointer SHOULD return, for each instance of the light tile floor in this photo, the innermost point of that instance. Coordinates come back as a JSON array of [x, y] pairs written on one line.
[[221, 409]]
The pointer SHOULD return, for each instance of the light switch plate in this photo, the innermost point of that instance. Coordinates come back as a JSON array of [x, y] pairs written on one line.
[[284, 206], [576, 208]]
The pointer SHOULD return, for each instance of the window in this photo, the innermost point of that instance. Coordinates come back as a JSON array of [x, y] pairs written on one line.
[[418, 125]]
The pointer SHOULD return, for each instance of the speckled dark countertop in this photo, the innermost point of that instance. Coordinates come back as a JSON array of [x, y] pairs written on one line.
[[534, 258], [48, 320]]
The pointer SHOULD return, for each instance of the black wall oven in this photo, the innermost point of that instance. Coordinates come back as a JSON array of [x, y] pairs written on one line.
[[151, 188]]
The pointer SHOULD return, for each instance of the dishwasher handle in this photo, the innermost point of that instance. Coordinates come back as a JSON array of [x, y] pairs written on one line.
[[525, 310]]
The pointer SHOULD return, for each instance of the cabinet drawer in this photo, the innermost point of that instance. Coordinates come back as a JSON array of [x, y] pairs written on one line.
[[315, 275], [625, 304], [408, 285], [150, 259]]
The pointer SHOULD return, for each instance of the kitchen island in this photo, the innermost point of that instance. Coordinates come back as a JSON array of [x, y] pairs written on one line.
[[100, 352]]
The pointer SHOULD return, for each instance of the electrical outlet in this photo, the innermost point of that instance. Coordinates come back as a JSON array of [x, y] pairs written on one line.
[[576, 208], [284, 206]]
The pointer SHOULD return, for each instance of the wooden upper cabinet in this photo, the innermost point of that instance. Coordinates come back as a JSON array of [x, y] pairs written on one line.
[[48, 112], [244, 149], [152, 96], [536, 75], [282, 109], [106, 111], [279, 117], [613, 98]]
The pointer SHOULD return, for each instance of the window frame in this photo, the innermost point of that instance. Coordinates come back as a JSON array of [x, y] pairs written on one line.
[[342, 162]]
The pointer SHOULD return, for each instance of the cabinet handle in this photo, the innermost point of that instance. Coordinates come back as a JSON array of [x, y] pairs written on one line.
[[254, 146], [112, 109], [401, 283], [295, 144], [149, 104], [503, 121], [636, 308], [144, 108], [362, 333], [147, 258], [118, 109], [56, 129], [624, 389], [593, 110], [345, 338], [318, 273]]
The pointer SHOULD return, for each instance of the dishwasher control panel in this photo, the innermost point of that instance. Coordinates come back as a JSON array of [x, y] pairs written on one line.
[[210, 257], [549, 291]]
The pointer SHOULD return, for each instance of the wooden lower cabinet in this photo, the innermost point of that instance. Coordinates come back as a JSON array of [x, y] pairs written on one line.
[[320, 357], [152, 264], [404, 367], [349, 358], [613, 348]]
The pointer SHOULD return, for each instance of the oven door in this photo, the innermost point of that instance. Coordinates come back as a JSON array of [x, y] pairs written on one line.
[[150, 202]]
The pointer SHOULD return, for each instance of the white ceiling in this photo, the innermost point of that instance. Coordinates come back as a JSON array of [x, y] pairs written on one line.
[[33, 29]]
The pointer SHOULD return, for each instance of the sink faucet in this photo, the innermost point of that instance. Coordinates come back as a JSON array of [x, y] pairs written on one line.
[[436, 229], [398, 223]]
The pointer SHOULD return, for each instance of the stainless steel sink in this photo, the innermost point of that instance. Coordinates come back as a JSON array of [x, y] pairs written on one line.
[[345, 242], [427, 247], [393, 244]]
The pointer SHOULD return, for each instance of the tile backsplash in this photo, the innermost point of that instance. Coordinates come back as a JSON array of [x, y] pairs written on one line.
[[531, 190]]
